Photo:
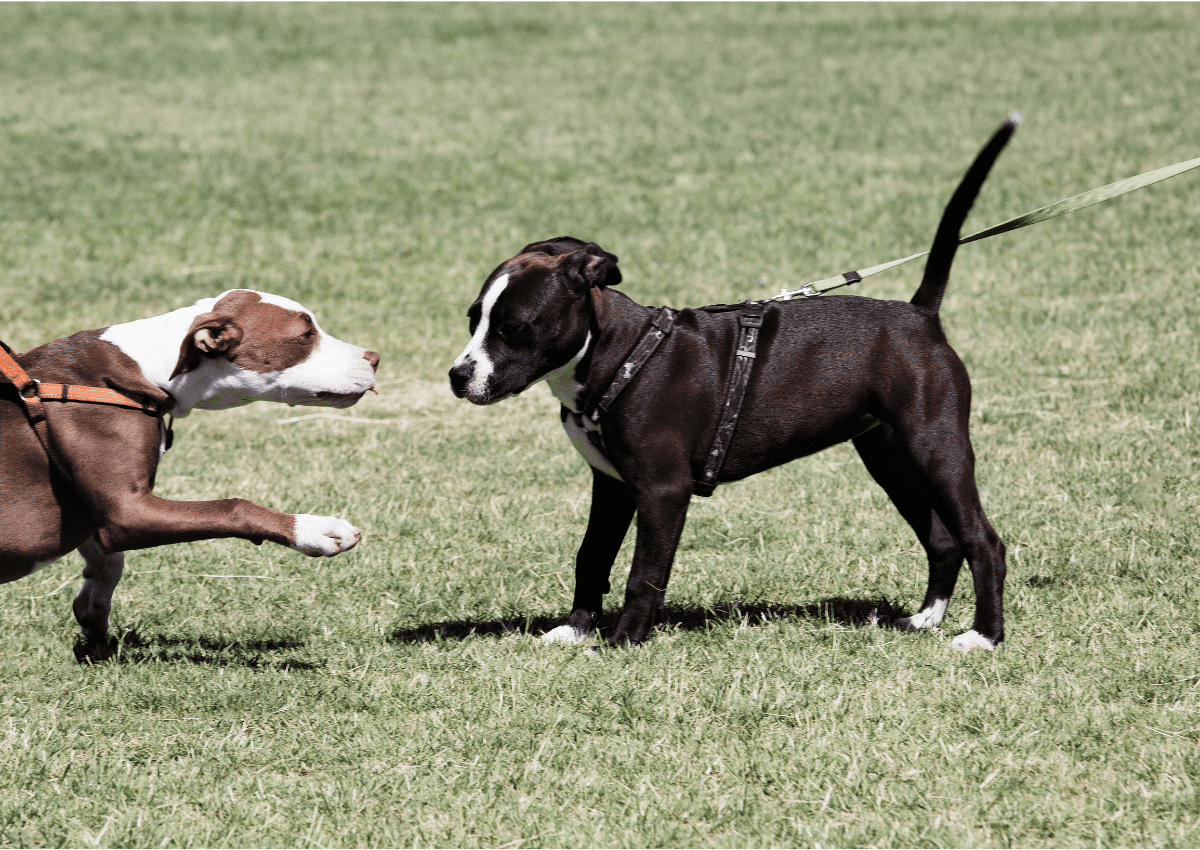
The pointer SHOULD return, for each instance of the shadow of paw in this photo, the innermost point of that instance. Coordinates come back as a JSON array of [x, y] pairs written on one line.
[[90, 652]]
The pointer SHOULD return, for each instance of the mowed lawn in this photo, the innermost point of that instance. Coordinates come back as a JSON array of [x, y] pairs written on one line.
[[375, 163]]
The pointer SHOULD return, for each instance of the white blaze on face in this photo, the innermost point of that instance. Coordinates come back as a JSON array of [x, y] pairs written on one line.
[[476, 352]]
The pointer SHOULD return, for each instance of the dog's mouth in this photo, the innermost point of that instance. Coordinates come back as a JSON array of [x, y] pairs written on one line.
[[332, 399], [484, 401]]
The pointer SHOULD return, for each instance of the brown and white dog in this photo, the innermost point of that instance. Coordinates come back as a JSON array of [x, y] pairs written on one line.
[[240, 347]]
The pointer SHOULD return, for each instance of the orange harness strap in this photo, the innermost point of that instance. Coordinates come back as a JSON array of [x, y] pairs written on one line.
[[32, 393]]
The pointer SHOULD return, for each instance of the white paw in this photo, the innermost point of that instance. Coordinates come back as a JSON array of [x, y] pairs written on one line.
[[926, 618], [564, 634], [972, 640], [324, 535]]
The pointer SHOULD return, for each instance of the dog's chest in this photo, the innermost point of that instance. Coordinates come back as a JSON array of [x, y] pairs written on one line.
[[584, 436], [587, 442]]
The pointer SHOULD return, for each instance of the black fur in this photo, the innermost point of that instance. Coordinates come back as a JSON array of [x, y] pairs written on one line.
[[830, 369]]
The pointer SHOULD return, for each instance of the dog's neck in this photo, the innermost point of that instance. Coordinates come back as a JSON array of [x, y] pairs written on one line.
[[568, 381], [616, 323], [153, 343]]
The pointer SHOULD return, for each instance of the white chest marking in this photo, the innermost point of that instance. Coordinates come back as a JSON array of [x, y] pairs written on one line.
[[595, 458], [562, 380], [568, 390]]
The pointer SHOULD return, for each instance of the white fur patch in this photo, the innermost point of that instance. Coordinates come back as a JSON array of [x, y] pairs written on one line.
[[324, 535], [585, 447], [154, 342], [476, 351], [972, 640], [564, 634], [926, 618], [562, 381]]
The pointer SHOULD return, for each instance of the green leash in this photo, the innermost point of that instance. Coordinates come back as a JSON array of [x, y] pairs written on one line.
[[1078, 202]]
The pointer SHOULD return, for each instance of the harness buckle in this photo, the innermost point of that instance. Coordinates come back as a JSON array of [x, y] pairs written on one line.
[[751, 315], [664, 320]]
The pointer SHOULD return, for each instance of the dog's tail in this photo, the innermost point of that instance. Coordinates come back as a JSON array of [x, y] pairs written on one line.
[[945, 243]]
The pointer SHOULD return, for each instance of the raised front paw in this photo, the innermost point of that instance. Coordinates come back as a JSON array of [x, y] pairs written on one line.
[[324, 535]]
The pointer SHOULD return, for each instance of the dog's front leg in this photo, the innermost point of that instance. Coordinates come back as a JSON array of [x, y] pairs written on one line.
[[139, 521], [93, 603], [612, 510], [661, 514]]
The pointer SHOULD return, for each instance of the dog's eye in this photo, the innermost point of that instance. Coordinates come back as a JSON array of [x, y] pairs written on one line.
[[510, 330]]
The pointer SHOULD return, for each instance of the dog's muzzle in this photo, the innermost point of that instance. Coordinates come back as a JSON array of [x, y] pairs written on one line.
[[462, 376], [465, 383]]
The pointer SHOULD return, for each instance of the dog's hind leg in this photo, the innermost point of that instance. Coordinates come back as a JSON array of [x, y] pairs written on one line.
[[945, 462], [889, 465], [93, 603], [611, 512]]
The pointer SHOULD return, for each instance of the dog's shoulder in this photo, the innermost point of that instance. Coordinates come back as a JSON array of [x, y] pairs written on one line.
[[62, 358], [85, 359]]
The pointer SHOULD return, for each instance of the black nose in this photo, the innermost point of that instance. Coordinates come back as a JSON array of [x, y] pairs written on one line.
[[459, 375]]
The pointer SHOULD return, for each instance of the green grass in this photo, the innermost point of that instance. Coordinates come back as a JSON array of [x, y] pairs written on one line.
[[376, 162]]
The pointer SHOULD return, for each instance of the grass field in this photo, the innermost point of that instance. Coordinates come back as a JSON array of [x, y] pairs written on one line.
[[375, 163]]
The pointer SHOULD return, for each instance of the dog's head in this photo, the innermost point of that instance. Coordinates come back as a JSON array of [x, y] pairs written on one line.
[[531, 318], [254, 346]]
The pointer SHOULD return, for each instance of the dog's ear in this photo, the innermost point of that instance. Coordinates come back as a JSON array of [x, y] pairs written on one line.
[[211, 334], [594, 267], [589, 265]]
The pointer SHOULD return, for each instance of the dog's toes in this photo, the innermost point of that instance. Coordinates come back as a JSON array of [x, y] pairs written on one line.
[[972, 640], [324, 535], [565, 634], [926, 618]]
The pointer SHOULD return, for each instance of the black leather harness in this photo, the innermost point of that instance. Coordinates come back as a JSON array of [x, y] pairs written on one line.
[[750, 319]]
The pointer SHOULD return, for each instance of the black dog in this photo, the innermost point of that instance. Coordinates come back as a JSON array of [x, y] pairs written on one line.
[[648, 395]]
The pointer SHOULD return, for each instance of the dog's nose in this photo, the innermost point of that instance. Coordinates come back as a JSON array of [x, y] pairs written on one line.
[[372, 358], [459, 375]]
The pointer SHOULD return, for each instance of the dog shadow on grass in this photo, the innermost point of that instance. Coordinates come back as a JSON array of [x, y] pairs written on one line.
[[134, 647], [854, 613]]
